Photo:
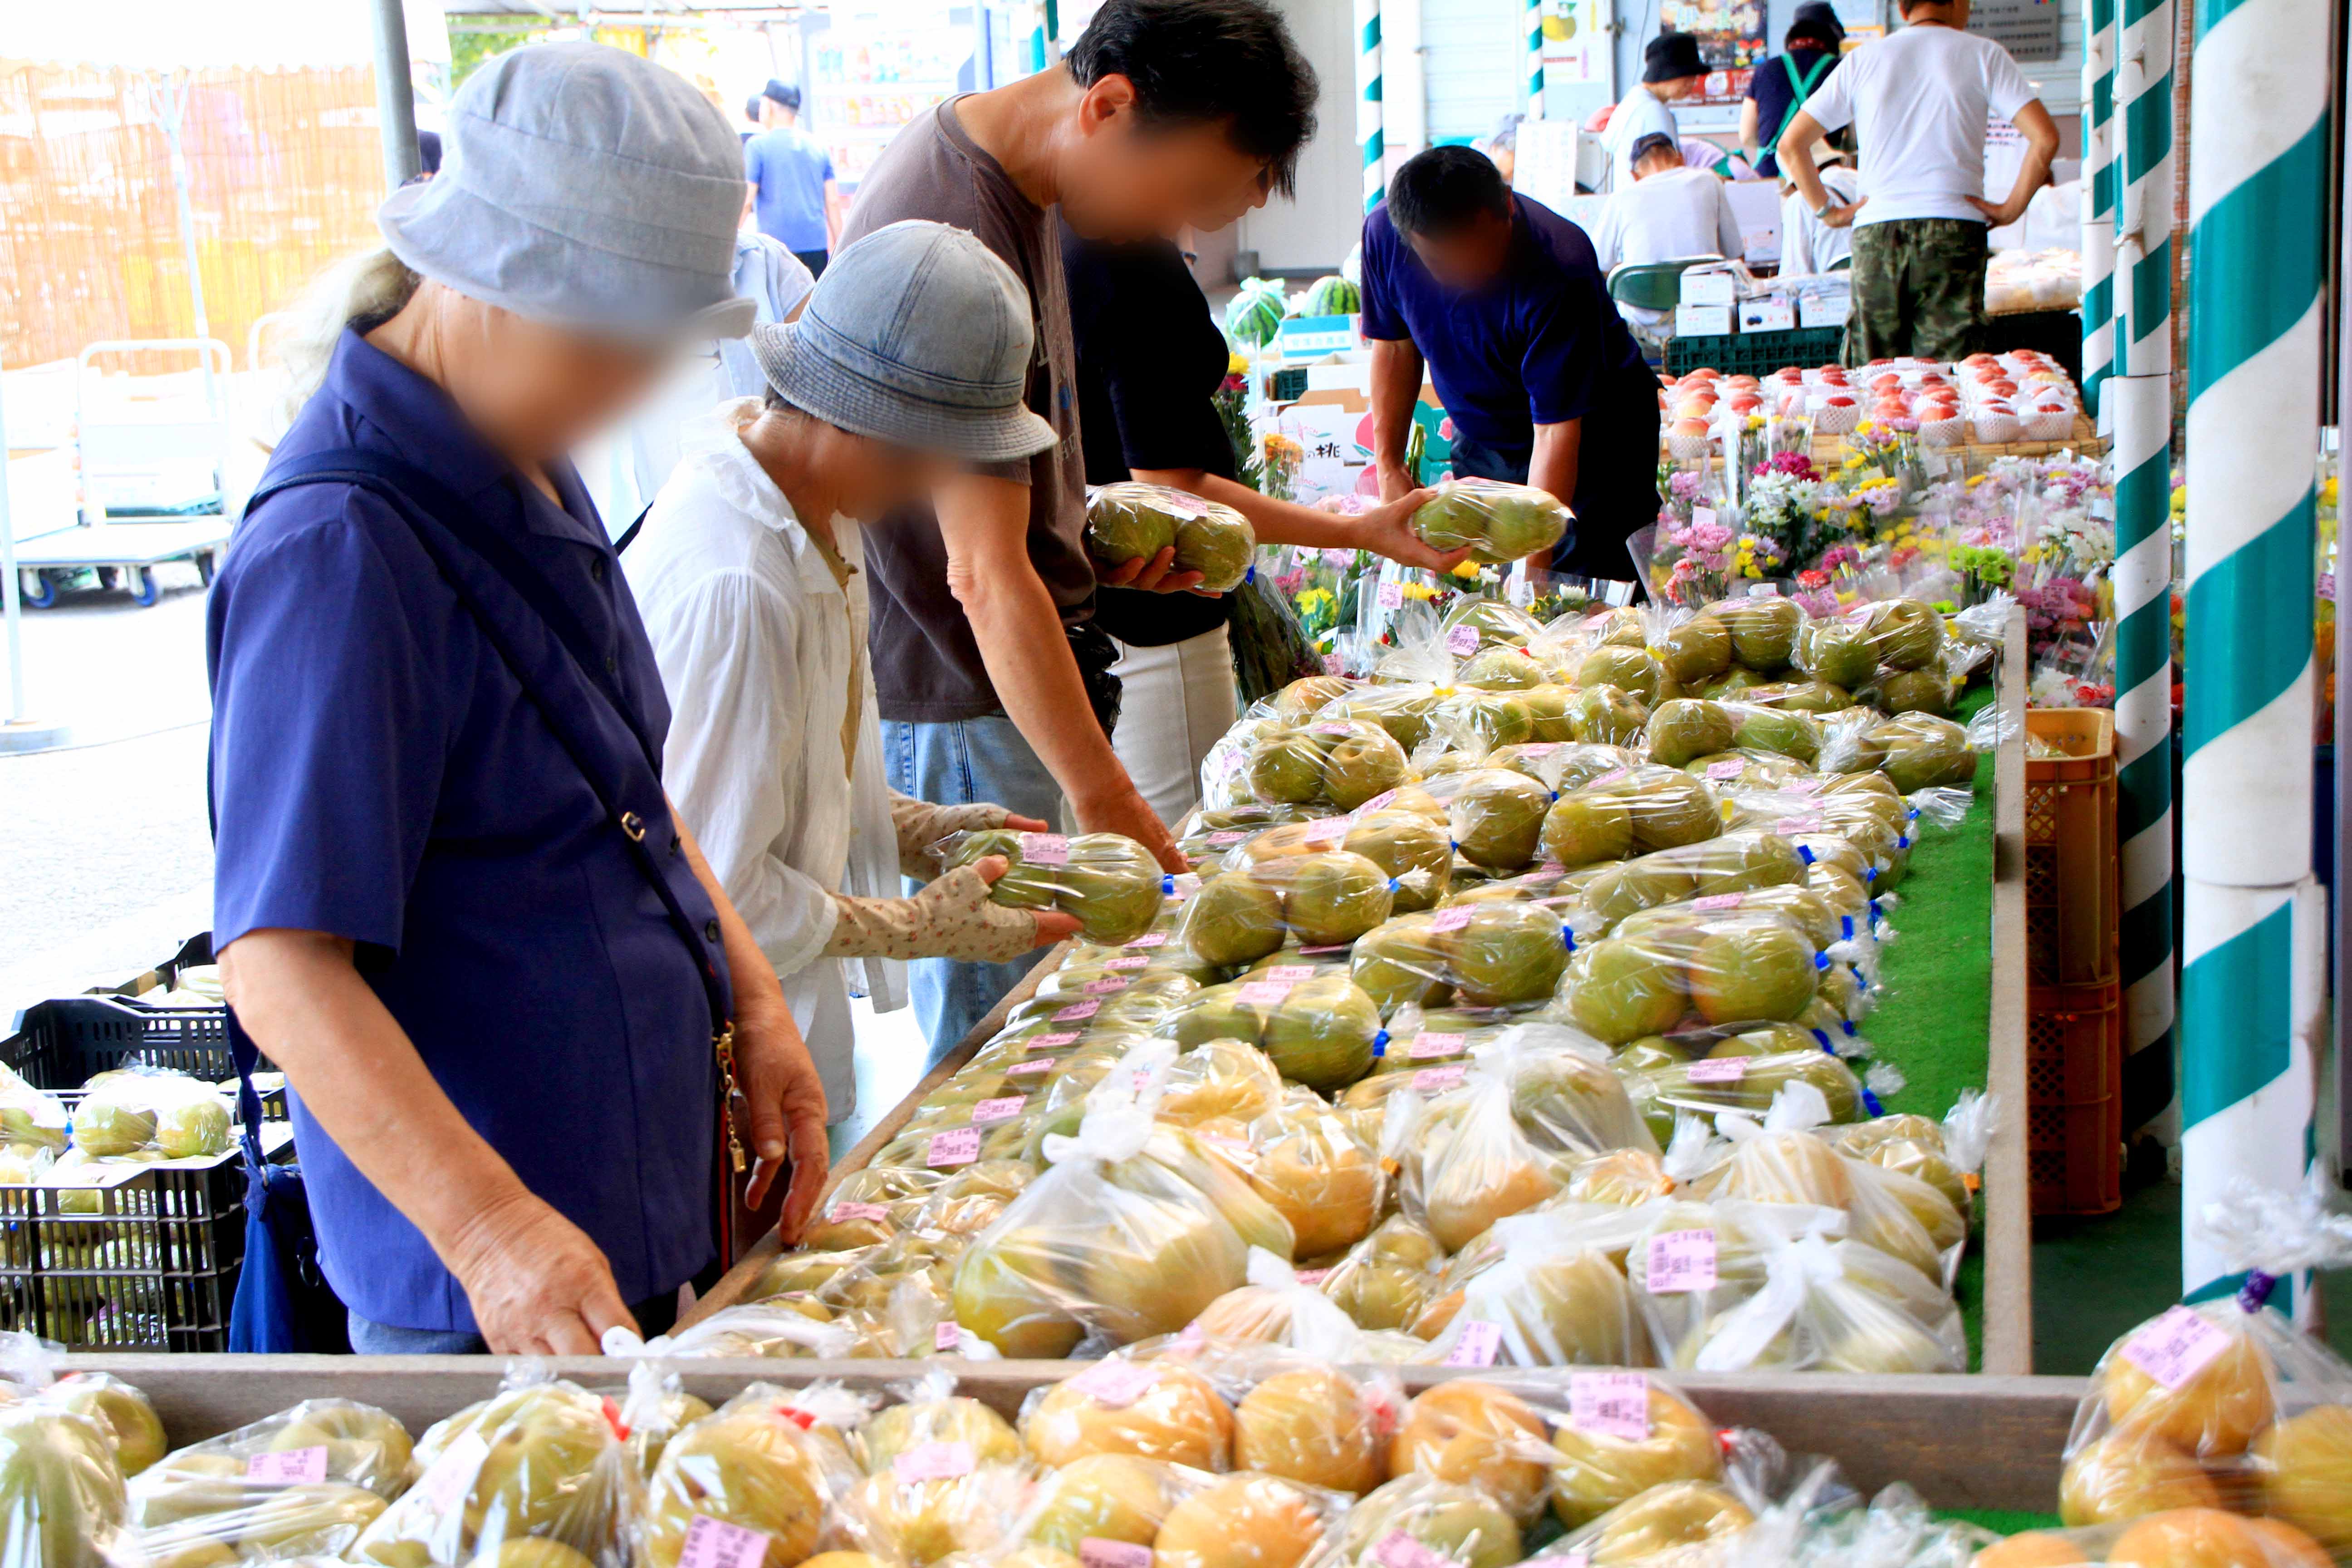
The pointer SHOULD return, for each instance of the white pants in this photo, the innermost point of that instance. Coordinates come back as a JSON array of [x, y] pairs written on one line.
[[1177, 700]]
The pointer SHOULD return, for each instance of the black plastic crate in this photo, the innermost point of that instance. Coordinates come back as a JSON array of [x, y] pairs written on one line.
[[1289, 384], [1755, 354], [148, 1264]]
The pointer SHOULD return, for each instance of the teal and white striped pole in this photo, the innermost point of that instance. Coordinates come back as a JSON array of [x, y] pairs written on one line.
[[1367, 101], [2139, 399], [2255, 932], [2098, 200], [1535, 61]]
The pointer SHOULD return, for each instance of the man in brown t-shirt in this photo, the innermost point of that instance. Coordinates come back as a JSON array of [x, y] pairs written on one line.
[[984, 658]]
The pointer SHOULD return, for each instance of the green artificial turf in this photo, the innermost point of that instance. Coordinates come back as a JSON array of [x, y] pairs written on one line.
[[2004, 1521]]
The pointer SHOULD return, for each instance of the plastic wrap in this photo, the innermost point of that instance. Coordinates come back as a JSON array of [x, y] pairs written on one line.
[[1389, 1278], [2225, 1402], [1407, 838], [139, 1110], [1131, 521], [305, 1482], [1341, 762], [944, 1475], [1628, 812], [1733, 863], [541, 1460], [1248, 1521], [1756, 1068], [655, 1408], [1147, 1409], [752, 1483], [1725, 965], [1311, 1165], [1311, 1423], [1482, 954], [1497, 814], [62, 1503], [1323, 898], [1474, 1435], [1110, 884], [1554, 1295], [1319, 1028], [1624, 1433], [1765, 630], [133, 1431], [1500, 522]]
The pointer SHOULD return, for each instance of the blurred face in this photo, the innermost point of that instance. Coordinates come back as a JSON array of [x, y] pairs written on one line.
[[1123, 180], [1246, 198], [535, 391], [869, 478], [1468, 257]]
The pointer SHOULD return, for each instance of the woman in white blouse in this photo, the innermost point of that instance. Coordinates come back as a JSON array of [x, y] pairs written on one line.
[[909, 361]]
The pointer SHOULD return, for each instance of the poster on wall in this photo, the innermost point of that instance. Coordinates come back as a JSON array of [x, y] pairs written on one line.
[[1730, 36], [875, 69], [1576, 43]]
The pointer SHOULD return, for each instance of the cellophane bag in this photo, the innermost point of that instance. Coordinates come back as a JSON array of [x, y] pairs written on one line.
[[1548, 1289], [1281, 1306], [62, 1502], [1323, 897], [1110, 883], [656, 1408], [1403, 832], [1296, 1414], [1147, 1409], [1475, 954], [2225, 1402], [1716, 961], [541, 1461], [132, 1111], [944, 1474], [1500, 522], [1315, 1025], [1131, 520], [755, 1482], [306, 1482], [1335, 762]]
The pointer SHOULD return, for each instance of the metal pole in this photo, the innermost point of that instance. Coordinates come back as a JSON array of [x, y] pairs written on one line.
[[2253, 989], [8, 584], [395, 95], [1367, 101]]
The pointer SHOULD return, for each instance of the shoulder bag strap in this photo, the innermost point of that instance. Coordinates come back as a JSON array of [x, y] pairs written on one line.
[[430, 510]]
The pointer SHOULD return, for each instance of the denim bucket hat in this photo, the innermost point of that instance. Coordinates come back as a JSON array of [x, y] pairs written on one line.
[[918, 335], [586, 187]]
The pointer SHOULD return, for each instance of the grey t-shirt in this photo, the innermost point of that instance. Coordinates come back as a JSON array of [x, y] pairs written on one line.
[[927, 666]]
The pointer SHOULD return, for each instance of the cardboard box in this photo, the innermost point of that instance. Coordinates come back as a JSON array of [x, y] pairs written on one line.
[[1826, 309], [1708, 288], [1767, 314], [1703, 320], [1312, 337]]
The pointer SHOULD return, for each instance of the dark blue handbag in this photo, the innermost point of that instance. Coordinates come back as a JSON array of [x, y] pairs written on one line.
[[284, 1304]]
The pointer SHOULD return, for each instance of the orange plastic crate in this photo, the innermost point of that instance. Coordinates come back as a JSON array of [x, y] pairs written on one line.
[[2074, 1099], [2072, 902]]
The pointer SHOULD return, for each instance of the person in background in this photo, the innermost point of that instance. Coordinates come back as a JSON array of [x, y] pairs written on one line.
[[1920, 101], [1671, 70], [1698, 153], [1780, 84], [1502, 146], [985, 657], [1504, 301], [1807, 244], [748, 574], [1150, 359], [793, 196], [490, 990], [755, 114], [1670, 211]]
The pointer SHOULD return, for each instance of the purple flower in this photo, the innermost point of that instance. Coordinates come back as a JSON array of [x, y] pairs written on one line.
[[1684, 486], [1710, 536]]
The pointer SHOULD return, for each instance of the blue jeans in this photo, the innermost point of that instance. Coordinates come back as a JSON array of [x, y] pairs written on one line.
[[974, 762], [657, 1316]]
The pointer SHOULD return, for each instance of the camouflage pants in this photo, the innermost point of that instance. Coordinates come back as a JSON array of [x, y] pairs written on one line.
[[1918, 289]]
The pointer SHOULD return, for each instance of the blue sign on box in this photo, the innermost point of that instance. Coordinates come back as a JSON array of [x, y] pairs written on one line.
[[1312, 337]]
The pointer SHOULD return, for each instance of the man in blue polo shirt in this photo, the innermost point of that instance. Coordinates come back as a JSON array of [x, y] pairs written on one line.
[[792, 190], [1503, 299]]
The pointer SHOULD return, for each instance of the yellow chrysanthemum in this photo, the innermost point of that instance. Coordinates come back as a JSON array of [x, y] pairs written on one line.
[[1237, 364]]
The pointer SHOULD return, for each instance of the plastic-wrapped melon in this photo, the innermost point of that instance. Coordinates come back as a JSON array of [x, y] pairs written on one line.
[[1501, 523]]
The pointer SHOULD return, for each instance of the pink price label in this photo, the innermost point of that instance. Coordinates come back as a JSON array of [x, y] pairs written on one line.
[[845, 1212], [1333, 665], [715, 1543], [1228, 835], [1790, 826], [1034, 1065], [1682, 1261], [1702, 517], [2175, 1347], [1398, 1550], [1181, 503], [988, 1112], [1151, 939], [1338, 727], [1610, 777], [1077, 1012], [1719, 1069], [1291, 971], [1265, 993], [1106, 984], [959, 1146], [1435, 1043], [1539, 748], [1480, 1343], [1328, 829], [1045, 848], [1054, 1041], [947, 1337], [1128, 962], [1094, 1552], [294, 1467], [1462, 640], [452, 1475], [1117, 1383], [1378, 800], [1730, 768], [1610, 1405], [1434, 1080], [933, 1462], [1391, 596], [1453, 919], [1719, 902], [1313, 1275], [1802, 786]]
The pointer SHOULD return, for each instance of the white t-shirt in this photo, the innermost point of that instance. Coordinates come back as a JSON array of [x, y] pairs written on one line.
[[1636, 116], [1920, 101], [1807, 244], [1674, 213]]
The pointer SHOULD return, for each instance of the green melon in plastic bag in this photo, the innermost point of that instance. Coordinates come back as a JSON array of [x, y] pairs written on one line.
[[1681, 727], [1763, 629], [1630, 670], [1234, 919], [1128, 523], [1506, 953], [1321, 1033], [1217, 544], [1497, 817], [1500, 522], [1607, 715]]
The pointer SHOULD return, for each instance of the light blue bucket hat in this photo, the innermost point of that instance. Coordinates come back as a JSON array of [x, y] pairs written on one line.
[[918, 335], [584, 186]]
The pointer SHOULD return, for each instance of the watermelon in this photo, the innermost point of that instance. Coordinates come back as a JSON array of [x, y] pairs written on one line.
[[1333, 295], [1255, 314]]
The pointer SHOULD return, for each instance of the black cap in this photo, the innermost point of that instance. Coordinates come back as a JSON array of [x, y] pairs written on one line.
[[783, 93], [1670, 57], [1817, 19]]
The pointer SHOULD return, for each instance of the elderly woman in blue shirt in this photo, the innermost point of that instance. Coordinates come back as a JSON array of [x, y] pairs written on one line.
[[451, 901]]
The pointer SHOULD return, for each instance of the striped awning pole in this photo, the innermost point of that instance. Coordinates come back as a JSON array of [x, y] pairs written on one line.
[[2139, 180], [1036, 50], [1367, 101], [2098, 200], [1535, 61], [2255, 932]]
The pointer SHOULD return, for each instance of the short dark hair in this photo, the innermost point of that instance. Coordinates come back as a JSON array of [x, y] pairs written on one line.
[[751, 108], [1808, 30], [1440, 191], [1202, 60], [1656, 141]]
